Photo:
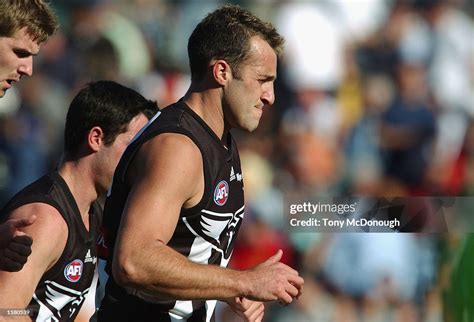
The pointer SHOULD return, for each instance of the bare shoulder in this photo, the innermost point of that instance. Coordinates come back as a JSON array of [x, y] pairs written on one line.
[[49, 233], [46, 213], [176, 153], [175, 144], [49, 223], [169, 169]]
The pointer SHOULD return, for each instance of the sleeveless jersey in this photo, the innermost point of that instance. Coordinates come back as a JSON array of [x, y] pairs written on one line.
[[204, 234], [61, 291]]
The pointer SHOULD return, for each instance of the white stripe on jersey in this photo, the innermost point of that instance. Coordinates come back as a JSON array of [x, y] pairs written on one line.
[[145, 127], [44, 313], [181, 311], [58, 296], [210, 306], [67, 289], [219, 213]]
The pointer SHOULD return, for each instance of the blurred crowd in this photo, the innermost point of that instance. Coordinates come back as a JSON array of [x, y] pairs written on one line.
[[373, 98]]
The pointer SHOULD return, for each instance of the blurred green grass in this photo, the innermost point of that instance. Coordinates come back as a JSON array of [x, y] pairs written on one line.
[[459, 295]]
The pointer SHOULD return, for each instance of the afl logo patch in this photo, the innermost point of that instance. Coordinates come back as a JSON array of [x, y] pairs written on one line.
[[221, 193], [73, 271]]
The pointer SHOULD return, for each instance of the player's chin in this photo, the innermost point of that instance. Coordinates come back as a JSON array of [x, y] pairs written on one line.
[[249, 123], [252, 126], [254, 122]]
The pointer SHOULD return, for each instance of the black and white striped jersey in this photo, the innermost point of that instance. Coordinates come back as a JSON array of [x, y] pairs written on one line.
[[204, 234], [61, 291]]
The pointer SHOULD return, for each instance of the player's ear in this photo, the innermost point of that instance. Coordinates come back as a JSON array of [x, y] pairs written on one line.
[[221, 72], [95, 138]]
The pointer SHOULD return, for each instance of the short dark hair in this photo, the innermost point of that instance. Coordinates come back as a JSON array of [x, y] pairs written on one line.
[[36, 15], [225, 34], [106, 104]]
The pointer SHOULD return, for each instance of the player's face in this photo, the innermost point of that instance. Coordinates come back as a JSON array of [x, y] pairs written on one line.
[[16, 58], [246, 97], [110, 155]]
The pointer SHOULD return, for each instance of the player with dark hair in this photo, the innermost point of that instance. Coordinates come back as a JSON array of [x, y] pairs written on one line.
[[101, 121], [24, 26], [177, 200]]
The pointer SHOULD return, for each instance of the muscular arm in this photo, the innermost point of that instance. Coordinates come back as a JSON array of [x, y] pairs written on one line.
[[49, 233], [169, 175]]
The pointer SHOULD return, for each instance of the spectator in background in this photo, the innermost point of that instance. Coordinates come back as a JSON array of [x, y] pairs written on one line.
[[364, 160], [448, 35], [460, 178], [408, 129], [313, 65], [25, 25]]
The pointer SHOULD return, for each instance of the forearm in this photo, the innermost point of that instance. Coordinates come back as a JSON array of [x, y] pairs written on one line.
[[161, 272], [13, 305], [16, 290]]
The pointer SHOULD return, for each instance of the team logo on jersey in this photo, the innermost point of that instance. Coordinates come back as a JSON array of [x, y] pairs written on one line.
[[218, 229], [221, 193], [73, 270]]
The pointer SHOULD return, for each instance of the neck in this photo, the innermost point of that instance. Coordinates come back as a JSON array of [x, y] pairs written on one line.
[[78, 176], [207, 103]]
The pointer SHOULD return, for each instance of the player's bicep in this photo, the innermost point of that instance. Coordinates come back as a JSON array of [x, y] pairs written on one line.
[[169, 176], [49, 234]]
